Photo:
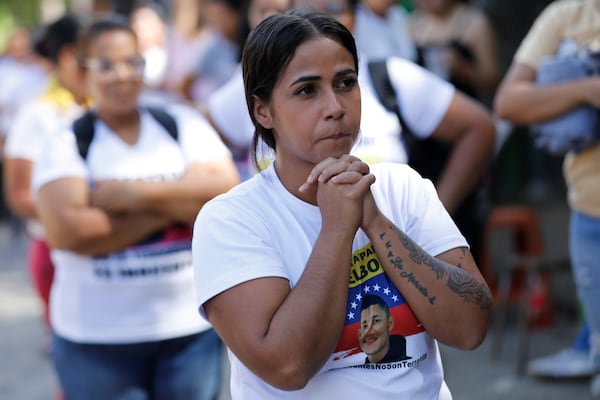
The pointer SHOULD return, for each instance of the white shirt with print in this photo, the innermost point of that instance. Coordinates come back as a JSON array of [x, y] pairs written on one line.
[[145, 292], [259, 229]]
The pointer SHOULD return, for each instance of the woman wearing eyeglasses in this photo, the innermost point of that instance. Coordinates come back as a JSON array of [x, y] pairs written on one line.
[[118, 218]]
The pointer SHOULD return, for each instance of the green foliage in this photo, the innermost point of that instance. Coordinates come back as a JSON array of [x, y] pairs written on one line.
[[7, 24], [15, 13], [23, 12]]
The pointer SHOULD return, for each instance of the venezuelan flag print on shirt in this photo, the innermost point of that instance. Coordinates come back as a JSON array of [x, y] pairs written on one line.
[[367, 277]]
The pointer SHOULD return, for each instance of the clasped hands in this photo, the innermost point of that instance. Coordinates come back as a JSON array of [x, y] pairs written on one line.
[[343, 192]]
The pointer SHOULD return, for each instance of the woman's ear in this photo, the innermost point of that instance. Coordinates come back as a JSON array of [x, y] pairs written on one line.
[[262, 114]]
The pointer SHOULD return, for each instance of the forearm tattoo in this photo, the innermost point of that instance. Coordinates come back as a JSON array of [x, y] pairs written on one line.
[[459, 281], [469, 289]]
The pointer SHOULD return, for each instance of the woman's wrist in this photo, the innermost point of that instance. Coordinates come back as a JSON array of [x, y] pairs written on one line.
[[375, 224]]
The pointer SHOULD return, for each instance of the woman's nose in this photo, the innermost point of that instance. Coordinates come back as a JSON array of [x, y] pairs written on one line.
[[334, 108], [122, 71]]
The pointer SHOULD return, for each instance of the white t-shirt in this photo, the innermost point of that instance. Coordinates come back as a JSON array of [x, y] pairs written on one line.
[[379, 38], [19, 84], [274, 235], [34, 124], [229, 111], [423, 100], [145, 292]]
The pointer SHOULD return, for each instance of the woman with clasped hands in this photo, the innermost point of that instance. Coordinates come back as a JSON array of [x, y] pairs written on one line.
[[283, 260]]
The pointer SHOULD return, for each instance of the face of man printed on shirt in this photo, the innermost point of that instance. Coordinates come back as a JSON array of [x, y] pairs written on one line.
[[374, 332]]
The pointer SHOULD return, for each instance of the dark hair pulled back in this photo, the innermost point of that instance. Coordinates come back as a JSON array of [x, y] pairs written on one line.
[[271, 46]]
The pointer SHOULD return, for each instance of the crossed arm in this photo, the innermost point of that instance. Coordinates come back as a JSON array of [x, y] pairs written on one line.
[[117, 214], [179, 200]]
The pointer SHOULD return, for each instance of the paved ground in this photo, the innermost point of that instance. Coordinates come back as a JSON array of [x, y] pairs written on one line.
[[26, 373]]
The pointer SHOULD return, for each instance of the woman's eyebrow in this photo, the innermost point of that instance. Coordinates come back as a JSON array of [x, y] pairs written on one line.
[[307, 78], [311, 78], [347, 71]]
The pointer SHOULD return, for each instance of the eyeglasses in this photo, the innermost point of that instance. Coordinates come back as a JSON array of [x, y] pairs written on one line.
[[134, 67]]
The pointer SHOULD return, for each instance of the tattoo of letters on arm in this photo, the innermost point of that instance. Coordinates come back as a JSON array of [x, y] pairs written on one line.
[[459, 282], [409, 276], [418, 256]]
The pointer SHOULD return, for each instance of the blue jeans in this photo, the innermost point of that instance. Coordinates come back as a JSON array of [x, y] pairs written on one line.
[[585, 258], [186, 368]]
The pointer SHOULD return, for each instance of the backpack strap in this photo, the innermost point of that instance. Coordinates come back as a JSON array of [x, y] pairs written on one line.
[[83, 127], [165, 119], [427, 156], [387, 96]]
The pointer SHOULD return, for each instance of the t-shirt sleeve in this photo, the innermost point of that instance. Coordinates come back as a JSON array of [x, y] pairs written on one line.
[[413, 204], [229, 111], [430, 223], [543, 39], [26, 135], [230, 247], [60, 159], [198, 139], [423, 97]]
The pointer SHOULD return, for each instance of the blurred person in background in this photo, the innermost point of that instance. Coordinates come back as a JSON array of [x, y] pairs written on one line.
[[149, 22], [117, 195], [457, 41], [35, 123], [186, 32], [562, 27], [381, 30], [217, 59], [23, 77], [225, 108], [149, 19]]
